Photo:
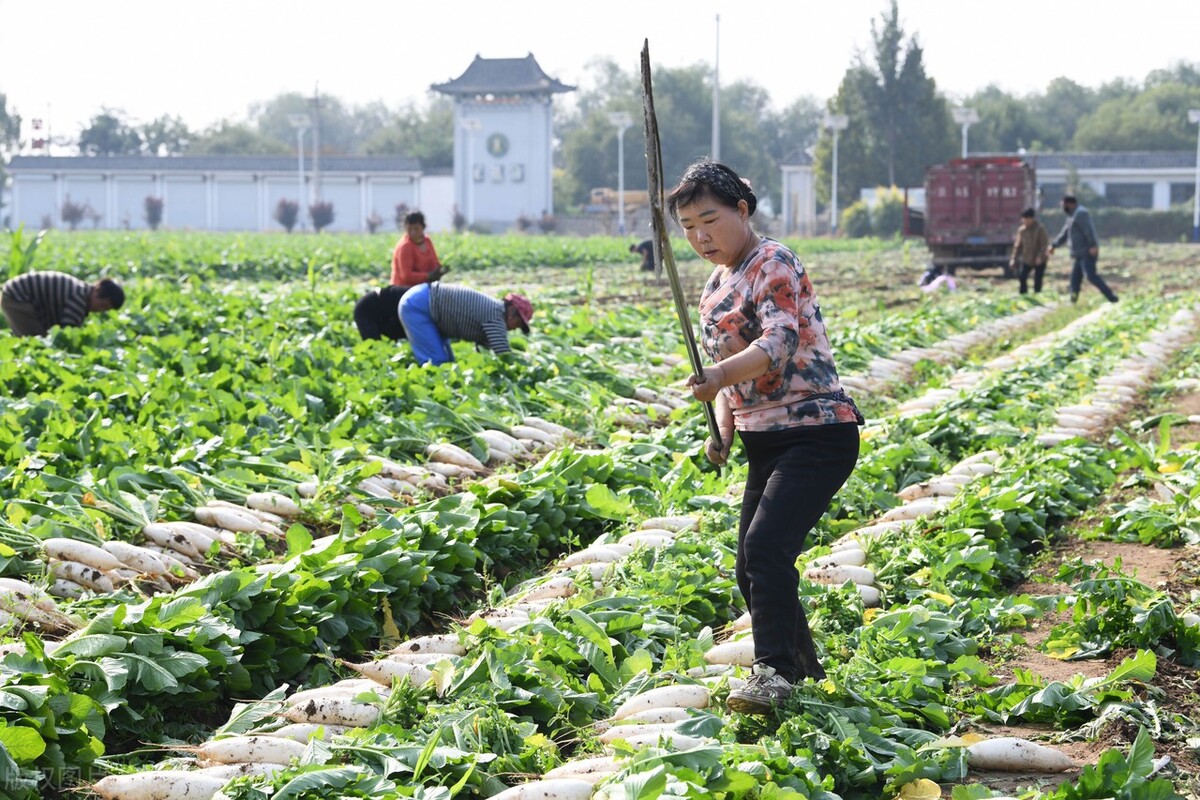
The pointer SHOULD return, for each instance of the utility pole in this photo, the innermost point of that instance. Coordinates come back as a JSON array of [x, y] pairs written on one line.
[[716, 120], [316, 160]]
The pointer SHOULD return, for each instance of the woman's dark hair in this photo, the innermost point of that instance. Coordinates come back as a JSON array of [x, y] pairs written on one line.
[[709, 179], [414, 218], [1029, 212]]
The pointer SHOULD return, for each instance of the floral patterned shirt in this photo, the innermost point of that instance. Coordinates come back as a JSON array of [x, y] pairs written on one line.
[[768, 302]]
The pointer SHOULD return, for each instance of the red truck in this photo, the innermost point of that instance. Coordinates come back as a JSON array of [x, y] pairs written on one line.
[[973, 208]]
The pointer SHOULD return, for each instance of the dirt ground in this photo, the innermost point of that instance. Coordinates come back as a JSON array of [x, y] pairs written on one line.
[[1175, 687]]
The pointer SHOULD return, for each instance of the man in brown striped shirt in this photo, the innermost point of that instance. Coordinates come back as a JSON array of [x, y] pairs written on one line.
[[35, 302]]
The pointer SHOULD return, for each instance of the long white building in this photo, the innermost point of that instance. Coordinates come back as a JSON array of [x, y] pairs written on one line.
[[222, 193]]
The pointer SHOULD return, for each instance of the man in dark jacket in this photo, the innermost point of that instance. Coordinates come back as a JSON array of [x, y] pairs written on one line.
[[1085, 248], [35, 302]]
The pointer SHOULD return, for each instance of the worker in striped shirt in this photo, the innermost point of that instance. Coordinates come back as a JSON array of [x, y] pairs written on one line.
[[35, 302], [435, 313]]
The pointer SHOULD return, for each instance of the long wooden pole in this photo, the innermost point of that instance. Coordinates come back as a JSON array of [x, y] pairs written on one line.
[[662, 240]]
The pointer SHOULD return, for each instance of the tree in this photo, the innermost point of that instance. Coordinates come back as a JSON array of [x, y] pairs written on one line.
[[1155, 119], [10, 132], [237, 139], [1060, 108], [73, 213], [424, 133], [286, 213], [321, 213], [899, 123], [110, 134], [154, 211], [337, 133], [166, 136], [1005, 123]]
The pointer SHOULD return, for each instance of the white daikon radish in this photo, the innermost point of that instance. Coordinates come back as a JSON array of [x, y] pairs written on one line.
[[385, 671], [273, 502], [82, 574], [584, 767], [34, 606], [259, 514], [81, 552], [450, 470], [500, 612], [250, 750], [552, 589], [159, 785], [639, 729], [655, 715], [189, 544], [914, 510], [421, 658], [434, 643], [680, 696], [1010, 754], [144, 561], [336, 710], [671, 740], [374, 488], [550, 427], [972, 468], [1190, 620], [307, 488], [68, 590], [837, 574], [397, 486], [500, 456], [304, 731], [393, 469], [506, 623], [548, 789], [453, 454], [228, 772], [1053, 439], [350, 687], [591, 555], [1080, 433], [982, 455], [869, 594], [849, 557], [537, 434], [28, 592], [231, 519], [739, 652], [499, 440], [742, 623], [647, 539]]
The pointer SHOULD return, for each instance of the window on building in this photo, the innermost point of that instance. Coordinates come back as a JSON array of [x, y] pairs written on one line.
[[1182, 193], [1130, 195]]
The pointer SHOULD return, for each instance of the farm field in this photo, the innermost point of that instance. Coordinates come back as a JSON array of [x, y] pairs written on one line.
[[517, 570]]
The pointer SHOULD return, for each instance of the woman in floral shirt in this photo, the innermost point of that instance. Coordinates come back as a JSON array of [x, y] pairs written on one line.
[[775, 383]]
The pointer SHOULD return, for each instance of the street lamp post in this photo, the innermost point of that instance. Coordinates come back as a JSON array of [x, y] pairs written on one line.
[[471, 126], [835, 123], [301, 123], [624, 122], [966, 117], [1194, 118]]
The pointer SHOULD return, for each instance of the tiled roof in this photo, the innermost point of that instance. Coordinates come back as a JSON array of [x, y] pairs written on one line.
[[211, 163], [1164, 159], [503, 76]]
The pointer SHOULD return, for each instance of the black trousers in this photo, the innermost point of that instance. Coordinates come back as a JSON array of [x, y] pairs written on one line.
[[1039, 272], [793, 475]]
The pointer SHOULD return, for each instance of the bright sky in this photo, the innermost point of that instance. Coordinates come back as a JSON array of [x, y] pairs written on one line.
[[209, 61]]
